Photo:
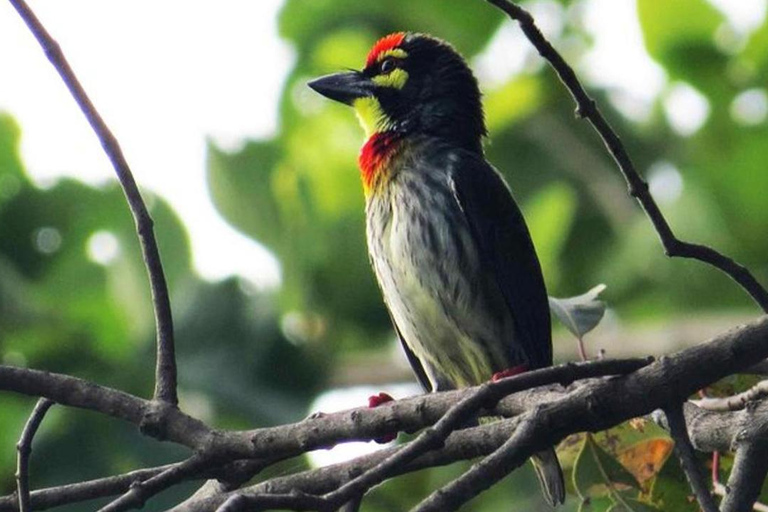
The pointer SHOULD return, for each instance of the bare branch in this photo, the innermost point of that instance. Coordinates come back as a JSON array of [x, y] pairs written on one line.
[[460, 445], [747, 476], [141, 491], [234, 474], [687, 456], [751, 463], [587, 406], [721, 490], [638, 188], [84, 491], [24, 447], [513, 453], [735, 402], [152, 418], [165, 379]]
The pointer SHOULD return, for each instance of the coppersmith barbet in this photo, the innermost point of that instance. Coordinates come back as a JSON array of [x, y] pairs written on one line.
[[447, 242]]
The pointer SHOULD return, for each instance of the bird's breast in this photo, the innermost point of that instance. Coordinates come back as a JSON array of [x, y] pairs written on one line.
[[429, 269]]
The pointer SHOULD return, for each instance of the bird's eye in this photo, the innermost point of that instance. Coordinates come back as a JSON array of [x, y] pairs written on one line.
[[388, 65]]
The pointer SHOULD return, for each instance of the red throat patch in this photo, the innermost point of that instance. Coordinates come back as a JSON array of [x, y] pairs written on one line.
[[389, 42], [375, 155]]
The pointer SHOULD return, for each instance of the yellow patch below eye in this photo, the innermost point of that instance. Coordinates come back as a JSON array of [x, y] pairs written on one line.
[[371, 115], [396, 79]]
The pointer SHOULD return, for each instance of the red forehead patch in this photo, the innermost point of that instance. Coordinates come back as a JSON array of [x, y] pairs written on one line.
[[389, 42]]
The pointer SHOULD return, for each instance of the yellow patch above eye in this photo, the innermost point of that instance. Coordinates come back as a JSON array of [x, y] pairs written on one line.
[[397, 53], [396, 79], [371, 116]]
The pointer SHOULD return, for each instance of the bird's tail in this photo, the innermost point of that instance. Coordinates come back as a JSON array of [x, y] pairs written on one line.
[[550, 475]]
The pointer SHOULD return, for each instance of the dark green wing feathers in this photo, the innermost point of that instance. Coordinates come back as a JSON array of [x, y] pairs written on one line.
[[506, 248]]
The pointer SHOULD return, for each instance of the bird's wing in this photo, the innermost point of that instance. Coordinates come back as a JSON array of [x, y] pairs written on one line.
[[416, 365], [506, 249]]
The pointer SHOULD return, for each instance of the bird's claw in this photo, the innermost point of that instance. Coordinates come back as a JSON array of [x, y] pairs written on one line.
[[509, 372], [375, 401]]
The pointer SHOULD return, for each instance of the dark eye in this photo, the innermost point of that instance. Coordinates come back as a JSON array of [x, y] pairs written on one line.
[[388, 65]]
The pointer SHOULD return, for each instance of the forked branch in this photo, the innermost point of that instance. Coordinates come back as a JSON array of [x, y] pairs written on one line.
[[638, 188]]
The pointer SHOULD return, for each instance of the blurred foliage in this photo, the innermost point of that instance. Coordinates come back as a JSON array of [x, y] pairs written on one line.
[[74, 295], [74, 298], [299, 194]]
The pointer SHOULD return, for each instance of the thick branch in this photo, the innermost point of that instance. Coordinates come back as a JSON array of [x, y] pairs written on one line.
[[599, 404], [638, 188], [154, 419], [24, 447], [165, 383], [589, 406]]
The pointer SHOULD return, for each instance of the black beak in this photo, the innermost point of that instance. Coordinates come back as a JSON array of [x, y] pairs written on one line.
[[343, 87]]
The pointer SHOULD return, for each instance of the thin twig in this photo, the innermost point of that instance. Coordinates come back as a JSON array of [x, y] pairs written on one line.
[[141, 491], [513, 453], [234, 473], [24, 447], [82, 491], [687, 455], [460, 445], [165, 378], [735, 402], [638, 188]]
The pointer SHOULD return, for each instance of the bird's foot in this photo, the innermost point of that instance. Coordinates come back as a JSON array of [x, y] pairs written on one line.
[[509, 372], [375, 401]]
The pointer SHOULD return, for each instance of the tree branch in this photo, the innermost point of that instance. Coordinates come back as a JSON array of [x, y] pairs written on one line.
[[24, 447], [638, 188], [747, 476], [83, 491], [152, 418], [512, 454], [687, 456], [460, 445], [589, 406], [140, 491], [165, 378], [736, 402]]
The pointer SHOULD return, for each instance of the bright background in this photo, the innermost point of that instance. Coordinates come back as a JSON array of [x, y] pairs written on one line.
[[252, 183]]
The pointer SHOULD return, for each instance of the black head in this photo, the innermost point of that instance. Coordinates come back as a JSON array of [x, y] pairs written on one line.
[[412, 83]]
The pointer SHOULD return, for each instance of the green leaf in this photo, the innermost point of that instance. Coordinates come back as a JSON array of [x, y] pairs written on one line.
[[598, 474], [669, 26], [579, 314], [241, 188], [512, 102], [632, 505], [598, 504], [670, 489], [680, 33]]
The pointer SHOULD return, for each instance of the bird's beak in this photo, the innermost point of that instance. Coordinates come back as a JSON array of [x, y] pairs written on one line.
[[343, 87]]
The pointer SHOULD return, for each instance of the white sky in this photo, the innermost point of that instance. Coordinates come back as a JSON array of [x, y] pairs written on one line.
[[167, 75], [164, 75]]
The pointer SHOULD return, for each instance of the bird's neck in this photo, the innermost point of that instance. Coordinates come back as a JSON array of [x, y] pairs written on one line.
[[375, 157]]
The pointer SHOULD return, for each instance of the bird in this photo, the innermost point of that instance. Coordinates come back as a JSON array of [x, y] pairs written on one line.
[[448, 244]]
